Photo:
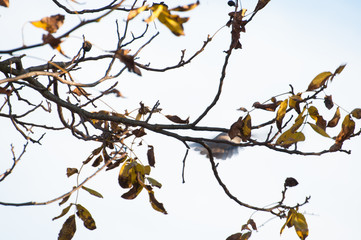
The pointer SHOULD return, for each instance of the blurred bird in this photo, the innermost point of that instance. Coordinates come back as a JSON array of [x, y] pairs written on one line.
[[219, 150]]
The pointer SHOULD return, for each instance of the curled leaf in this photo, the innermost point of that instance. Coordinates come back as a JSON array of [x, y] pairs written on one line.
[[300, 225], [261, 4], [281, 114], [268, 107], [50, 24], [65, 211], [155, 204], [246, 128], [235, 129], [86, 217], [71, 171], [177, 119], [334, 121], [150, 155], [347, 129], [133, 192], [134, 12], [340, 69]]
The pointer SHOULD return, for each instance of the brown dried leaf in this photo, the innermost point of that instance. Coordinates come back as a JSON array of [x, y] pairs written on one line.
[[53, 42], [4, 3], [334, 121], [320, 122], [348, 127], [261, 4], [86, 217], [235, 129], [328, 102], [340, 69], [139, 132], [236, 236], [246, 236], [177, 119], [133, 192], [356, 113], [80, 91], [5, 91], [68, 229], [50, 24], [268, 107], [150, 155], [155, 204], [290, 182], [128, 60], [97, 161], [252, 223], [71, 171], [185, 7]]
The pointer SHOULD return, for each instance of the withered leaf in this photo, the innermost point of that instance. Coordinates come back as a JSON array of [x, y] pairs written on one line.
[[50, 24], [334, 121], [246, 236], [336, 146], [356, 113], [4, 3], [235, 129], [340, 69], [128, 60], [71, 171], [289, 220], [155, 204], [150, 155], [269, 107], [236, 236], [125, 175], [312, 110], [319, 81], [68, 230], [80, 91], [321, 122], [154, 182], [294, 102], [246, 128], [185, 7], [139, 132], [177, 119], [93, 154], [86, 217], [261, 4], [133, 192], [290, 182], [252, 223], [134, 12], [319, 130], [63, 212], [347, 129], [328, 102], [5, 91], [92, 192], [53, 42], [64, 200], [97, 161], [300, 225], [116, 92]]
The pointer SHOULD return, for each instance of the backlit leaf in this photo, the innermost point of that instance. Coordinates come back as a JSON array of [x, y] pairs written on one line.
[[65, 211], [319, 81], [281, 114], [68, 229], [334, 121], [356, 113], [50, 24], [347, 129], [300, 225], [319, 130], [289, 221], [4, 3], [53, 42], [134, 12], [86, 217], [92, 192], [128, 60], [288, 138], [312, 110], [71, 171]]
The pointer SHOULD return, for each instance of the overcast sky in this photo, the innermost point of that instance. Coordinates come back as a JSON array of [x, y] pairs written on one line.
[[288, 42]]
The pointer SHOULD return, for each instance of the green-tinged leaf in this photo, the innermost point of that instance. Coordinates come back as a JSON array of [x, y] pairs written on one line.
[[356, 113], [298, 123], [155, 204], [147, 170], [68, 229], [86, 217], [312, 110], [334, 121], [281, 114], [300, 225], [71, 171], [319, 130], [319, 81], [65, 211], [340, 69], [92, 192], [154, 182]]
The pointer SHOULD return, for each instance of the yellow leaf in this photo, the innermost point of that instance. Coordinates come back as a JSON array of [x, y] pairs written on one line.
[[246, 128], [319, 130], [50, 24], [157, 9], [134, 12], [92, 192], [281, 114], [289, 221], [294, 102], [319, 80], [300, 224], [68, 229], [348, 127], [86, 217], [312, 110], [288, 138]]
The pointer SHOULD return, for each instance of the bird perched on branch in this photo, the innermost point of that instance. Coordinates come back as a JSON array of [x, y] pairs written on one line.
[[219, 150]]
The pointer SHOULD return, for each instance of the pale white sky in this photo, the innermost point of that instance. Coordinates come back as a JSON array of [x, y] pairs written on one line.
[[289, 42]]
